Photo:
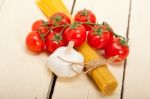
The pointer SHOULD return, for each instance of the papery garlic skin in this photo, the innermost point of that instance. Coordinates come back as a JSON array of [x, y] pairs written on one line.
[[64, 69]]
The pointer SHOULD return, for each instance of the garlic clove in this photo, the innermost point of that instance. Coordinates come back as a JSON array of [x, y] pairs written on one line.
[[62, 68]]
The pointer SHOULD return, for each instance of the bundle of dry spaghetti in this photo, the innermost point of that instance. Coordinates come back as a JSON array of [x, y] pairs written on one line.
[[101, 75]]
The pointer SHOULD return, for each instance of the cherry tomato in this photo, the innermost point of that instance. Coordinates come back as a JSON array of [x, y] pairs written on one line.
[[117, 47], [99, 37], [36, 25], [76, 33], [53, 41], [34, 42], [40, 26], [85, 16], [59, 19]]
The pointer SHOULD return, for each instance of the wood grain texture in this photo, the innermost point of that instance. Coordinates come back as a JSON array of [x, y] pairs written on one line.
[[1, 4], [23, 74], [116, 14], [138, 70]]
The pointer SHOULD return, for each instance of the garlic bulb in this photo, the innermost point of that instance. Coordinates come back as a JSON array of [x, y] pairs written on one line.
[[62, 68]]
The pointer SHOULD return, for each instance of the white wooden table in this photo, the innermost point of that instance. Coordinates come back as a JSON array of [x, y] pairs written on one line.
[[23, 75]]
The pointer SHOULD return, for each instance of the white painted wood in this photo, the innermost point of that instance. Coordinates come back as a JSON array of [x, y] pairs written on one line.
[[68, 4], [115, 12], [138, 70], [1, 3], [23, 75]]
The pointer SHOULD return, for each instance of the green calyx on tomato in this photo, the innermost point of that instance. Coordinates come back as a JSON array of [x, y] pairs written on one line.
[[99, 37], [44, 23], [107, 26], [43, 35], [57, 37], [75, 25], [57, 19], [84, 12], [53, 41], [99, 29], [123, 42], [85, 16]]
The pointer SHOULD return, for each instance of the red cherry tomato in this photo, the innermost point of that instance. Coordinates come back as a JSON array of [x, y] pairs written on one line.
[[59, 19], [76, 33], [117, 47], [34, 42], [40, 26], [36, 25], [53, 41], [85, 16], [99, 37]]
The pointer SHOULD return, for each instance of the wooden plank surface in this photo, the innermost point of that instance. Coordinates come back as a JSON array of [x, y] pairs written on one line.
[[23, 75], [1, 3], [116, 14], [138, 70]]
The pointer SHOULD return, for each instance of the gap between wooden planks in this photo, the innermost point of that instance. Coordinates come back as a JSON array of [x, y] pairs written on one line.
[[125, 62], [54, 77], [138, 69], [122, 69]]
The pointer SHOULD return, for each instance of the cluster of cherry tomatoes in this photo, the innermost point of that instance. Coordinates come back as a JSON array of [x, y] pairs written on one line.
[[58, 31]]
